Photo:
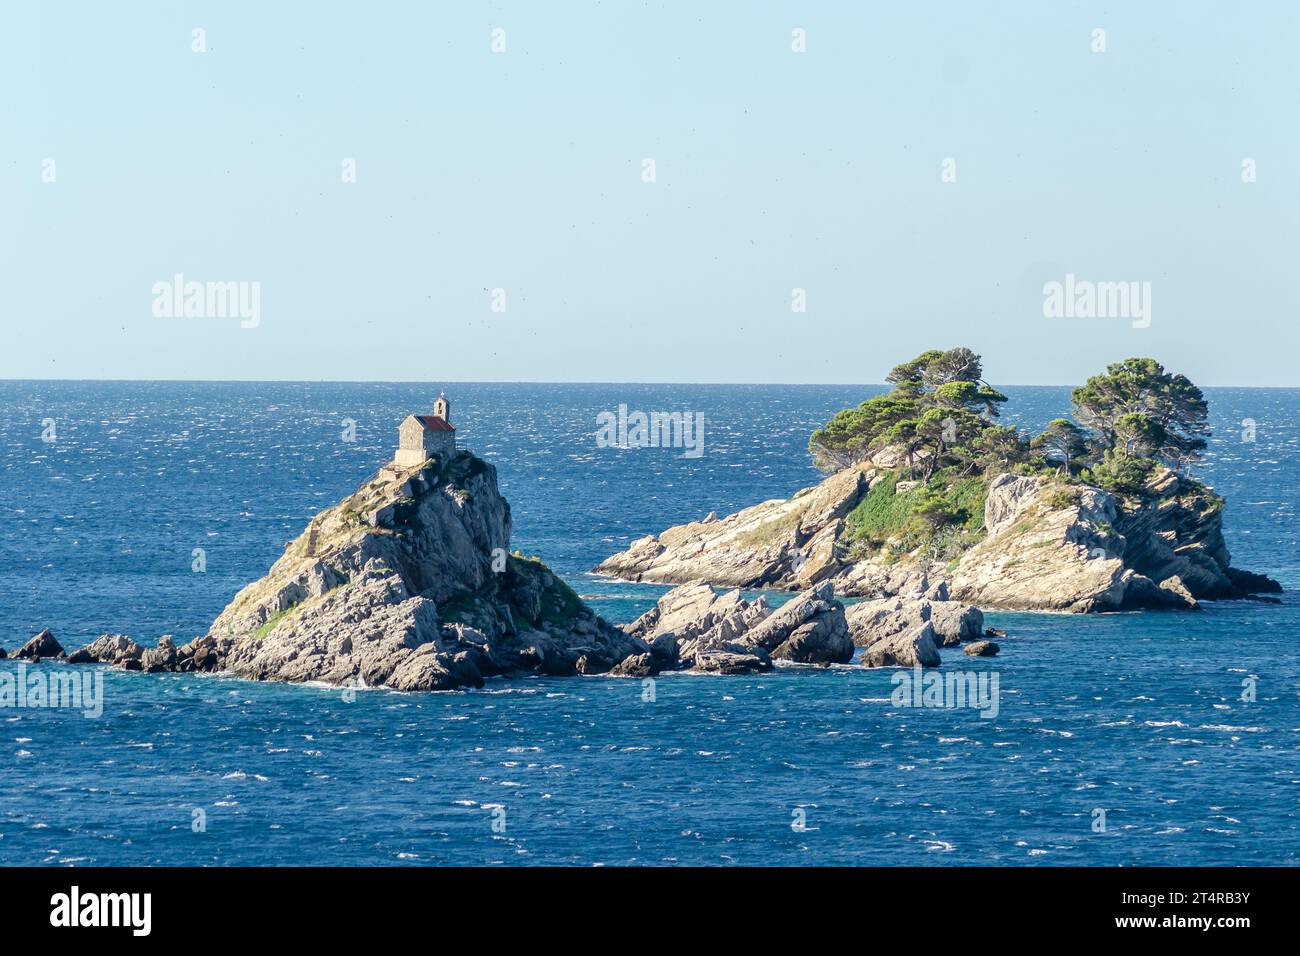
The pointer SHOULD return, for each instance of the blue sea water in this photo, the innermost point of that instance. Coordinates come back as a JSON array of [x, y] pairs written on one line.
[[1137, 715]]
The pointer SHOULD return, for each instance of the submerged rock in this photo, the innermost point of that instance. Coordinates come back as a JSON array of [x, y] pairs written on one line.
[[727, 662]]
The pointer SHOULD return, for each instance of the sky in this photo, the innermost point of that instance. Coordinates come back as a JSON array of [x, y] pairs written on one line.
[[460, 191]]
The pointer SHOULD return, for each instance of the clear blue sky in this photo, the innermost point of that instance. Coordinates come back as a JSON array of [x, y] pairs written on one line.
[[522, 171]]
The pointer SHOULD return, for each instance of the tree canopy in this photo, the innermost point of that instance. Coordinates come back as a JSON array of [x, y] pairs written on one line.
[[942, 416], [936, 410], [940, 423], [1141, 410]]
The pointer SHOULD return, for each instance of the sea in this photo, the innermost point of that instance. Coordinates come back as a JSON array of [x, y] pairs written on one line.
[[1150, 738]]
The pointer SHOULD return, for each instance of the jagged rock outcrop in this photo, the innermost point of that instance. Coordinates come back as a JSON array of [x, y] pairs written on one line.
[[1077, 548], [115, 649], [780, 544], [955, 622], [951, 621], [40, 647], [694, 627], [981, 649], [906, 648], [162, 657], [1047, 545], [201, 654], [408, 584], [810, 629]]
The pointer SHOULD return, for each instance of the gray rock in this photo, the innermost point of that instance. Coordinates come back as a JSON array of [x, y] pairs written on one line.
[[1008, 495], [113, 649], [702, 623], [1174, 585], [780, 544], [1078, 548], [427, 668], [364, 630], [402, 585], [40, 647], [637, 665], [728, 662], [1048, 545], [203, 654], [160, 658], [904, 649], [810, 629], [664, 648], [873, 621], [955, 622], [981, 649]]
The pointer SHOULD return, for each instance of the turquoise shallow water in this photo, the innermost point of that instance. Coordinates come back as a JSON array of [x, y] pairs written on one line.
[[1138, 715]]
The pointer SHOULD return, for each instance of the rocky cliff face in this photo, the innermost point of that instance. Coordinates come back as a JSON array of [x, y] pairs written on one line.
[[408, 583], [1046, 546], [1076, 548], [786, 544]]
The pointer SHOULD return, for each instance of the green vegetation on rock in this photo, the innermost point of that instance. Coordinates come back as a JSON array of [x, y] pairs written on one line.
[[944, 514], [271, 622], [939, 426]]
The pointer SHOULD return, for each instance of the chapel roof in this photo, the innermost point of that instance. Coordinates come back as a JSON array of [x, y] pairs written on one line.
[[434, 423]]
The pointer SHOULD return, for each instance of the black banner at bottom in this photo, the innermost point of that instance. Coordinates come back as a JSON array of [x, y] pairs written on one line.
[[319, 905]]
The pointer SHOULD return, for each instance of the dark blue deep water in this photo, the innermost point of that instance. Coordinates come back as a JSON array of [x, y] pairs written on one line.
[[1137, 715]]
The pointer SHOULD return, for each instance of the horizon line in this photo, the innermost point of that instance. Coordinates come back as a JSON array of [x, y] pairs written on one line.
[[359, 381]]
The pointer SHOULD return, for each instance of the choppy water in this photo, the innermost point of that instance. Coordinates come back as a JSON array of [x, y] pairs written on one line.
[[1139, 715]]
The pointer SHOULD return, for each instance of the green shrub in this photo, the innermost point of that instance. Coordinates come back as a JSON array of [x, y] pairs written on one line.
[[270, 623], [945, 515], [1060, 498], [881, 514], [1121, 473]]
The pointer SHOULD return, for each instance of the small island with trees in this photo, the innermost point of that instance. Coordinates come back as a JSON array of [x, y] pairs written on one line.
[[928, 489]]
